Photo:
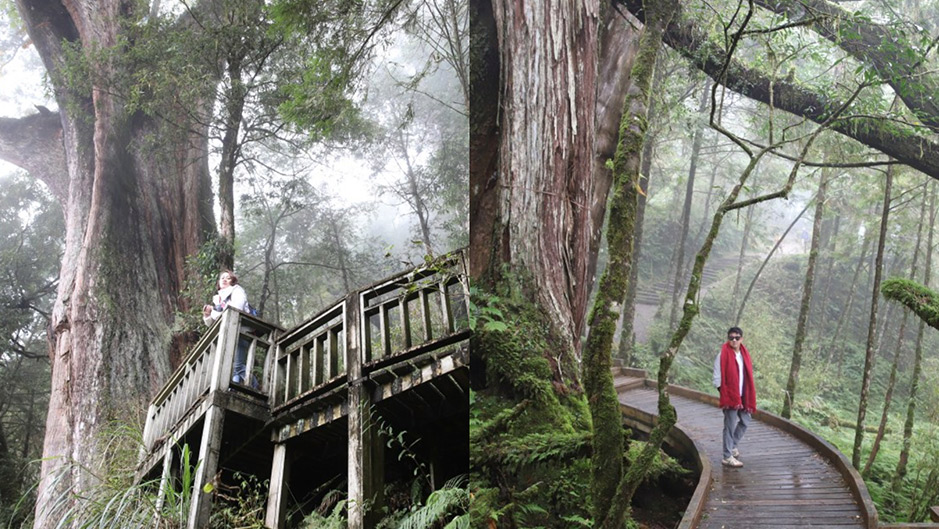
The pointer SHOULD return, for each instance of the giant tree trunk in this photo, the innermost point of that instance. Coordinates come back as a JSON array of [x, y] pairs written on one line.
[[803, 317], [533, 181], [132, 216], [872, 326]]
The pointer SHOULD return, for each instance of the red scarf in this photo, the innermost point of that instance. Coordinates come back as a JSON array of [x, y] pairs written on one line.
[[730, 383]]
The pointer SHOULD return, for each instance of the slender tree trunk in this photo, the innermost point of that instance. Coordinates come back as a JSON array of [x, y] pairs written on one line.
[[607, 455], [744, 241], [831, 250], [231, 150], [341, 253], [685, 222], [836, 353], [901, 470], [627, 340], [802, 321], [869, 354], [897, 349], [612, 489]]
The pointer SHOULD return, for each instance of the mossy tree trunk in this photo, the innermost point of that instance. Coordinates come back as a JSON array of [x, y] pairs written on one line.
[[872, 325], [802, 320], [925, 304], [608, 453], [627, 340]]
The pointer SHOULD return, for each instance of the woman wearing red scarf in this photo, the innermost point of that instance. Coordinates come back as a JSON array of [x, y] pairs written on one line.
[[733, 377]]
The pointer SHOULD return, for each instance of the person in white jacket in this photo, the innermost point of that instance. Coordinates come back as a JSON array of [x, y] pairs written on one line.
[[230, 294]]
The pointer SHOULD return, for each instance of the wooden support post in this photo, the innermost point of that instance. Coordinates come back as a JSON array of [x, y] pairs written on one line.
[[366, 464], [166, 475], [201, 502], [277, 497], [225, 352]]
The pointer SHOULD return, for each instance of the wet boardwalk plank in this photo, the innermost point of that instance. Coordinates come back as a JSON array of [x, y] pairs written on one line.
[[784, 482]]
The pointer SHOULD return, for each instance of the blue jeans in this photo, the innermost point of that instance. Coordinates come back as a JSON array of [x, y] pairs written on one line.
[[241, 358], [735, 425]]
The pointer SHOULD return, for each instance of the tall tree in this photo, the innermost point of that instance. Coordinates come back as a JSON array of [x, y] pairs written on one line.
[[872, 325], [802, 320], [127, 157], [898, 346], [697, 138], [916, 303]]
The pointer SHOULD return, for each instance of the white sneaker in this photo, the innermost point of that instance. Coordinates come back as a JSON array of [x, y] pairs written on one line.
[[735, 452], [731, 462]]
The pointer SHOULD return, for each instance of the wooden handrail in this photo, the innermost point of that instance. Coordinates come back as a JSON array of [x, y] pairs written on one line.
[[414, 310]]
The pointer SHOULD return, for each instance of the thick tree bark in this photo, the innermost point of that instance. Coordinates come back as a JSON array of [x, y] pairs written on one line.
[[897, 141], [132, 217], [532, 192], [802, 320], [872, 326]]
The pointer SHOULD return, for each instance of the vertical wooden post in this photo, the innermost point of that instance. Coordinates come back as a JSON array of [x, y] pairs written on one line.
[[200, 507], [166, 475], [277, 497], [365, 450], [201, 503]]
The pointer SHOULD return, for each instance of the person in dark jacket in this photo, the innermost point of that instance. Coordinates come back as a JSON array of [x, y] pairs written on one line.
[[733, 377]]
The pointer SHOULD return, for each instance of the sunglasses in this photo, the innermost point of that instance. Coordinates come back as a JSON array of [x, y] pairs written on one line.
[[734, 338]]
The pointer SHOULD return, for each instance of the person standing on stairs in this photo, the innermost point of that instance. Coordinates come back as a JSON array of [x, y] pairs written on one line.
[[230, 294], [733, 377]]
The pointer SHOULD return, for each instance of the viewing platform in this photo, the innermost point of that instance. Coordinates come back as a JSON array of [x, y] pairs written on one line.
[[321, 397]]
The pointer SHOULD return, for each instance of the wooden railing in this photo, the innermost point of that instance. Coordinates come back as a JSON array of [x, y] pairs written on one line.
[[415, 310], [400, 317], [407, 314], [208, 367], [311, 357]]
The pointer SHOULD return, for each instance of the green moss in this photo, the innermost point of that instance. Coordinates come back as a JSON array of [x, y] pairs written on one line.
[[529, 432]]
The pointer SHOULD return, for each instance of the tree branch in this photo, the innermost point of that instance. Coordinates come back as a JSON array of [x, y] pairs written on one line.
[[35, 144], [904, 144]]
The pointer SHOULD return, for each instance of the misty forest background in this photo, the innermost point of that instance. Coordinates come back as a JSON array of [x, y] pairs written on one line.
[[334, 188], [836, 103]]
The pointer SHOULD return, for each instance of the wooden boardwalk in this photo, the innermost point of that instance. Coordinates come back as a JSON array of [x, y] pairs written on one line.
[[785, 481]]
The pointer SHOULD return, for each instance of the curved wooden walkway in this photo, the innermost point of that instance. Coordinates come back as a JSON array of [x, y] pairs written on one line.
[[788, 479]]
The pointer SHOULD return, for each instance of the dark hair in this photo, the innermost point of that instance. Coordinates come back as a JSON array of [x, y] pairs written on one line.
[[736, 330]]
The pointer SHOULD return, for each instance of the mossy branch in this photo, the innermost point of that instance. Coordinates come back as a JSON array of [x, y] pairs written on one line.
[[923, 301]]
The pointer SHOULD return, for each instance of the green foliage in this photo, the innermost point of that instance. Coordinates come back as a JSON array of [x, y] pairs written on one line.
[[202, 271], [240, 505], [331, 513]]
